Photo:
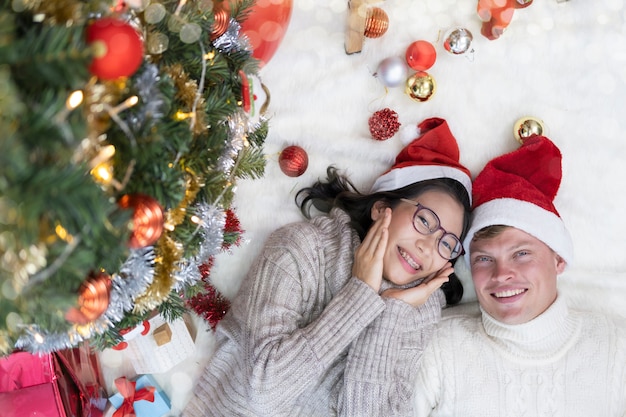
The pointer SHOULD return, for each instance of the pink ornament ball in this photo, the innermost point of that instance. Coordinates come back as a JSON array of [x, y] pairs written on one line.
[[421, 55], [118, 48]]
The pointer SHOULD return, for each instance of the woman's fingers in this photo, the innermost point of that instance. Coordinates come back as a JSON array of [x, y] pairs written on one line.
[[368, 258], [418, 295]]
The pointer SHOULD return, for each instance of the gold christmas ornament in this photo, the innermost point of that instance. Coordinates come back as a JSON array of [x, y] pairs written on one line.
[[526, 127], [420, 86], [376, 23]]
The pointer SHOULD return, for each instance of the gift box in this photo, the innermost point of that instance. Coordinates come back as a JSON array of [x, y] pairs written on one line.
[[142, 397], [43, 385], [162, 334], [163, 346]]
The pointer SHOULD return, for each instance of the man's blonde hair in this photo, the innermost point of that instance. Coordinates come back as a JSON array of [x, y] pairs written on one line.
[[489, 232]]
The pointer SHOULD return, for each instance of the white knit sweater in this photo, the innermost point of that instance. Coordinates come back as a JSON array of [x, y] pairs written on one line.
[[562, 363], [305, 338]]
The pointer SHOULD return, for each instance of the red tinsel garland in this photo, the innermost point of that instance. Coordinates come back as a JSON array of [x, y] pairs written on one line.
[[210, 304]]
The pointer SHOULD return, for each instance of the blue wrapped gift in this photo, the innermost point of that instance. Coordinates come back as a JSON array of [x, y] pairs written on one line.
[[143, 408]]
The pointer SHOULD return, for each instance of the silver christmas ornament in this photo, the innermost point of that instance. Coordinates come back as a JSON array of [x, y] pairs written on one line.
[[392, 71], [458, 41]]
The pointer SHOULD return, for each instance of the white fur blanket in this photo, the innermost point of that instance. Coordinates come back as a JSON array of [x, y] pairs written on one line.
[[561, 62]]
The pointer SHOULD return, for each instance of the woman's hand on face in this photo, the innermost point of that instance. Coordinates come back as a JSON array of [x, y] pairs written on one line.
[[368, 258], [416, 296]]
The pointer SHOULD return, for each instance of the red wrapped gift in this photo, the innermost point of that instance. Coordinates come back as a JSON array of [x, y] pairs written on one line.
[[44, 385]]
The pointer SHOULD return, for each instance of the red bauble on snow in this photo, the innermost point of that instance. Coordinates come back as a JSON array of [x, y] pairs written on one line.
[[118, 48], [293, 161], [384, 124], [421, 55]]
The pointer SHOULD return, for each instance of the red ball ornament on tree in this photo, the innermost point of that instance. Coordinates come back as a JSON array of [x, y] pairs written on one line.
[[421, 55], [93, 299], [118, 48], [220, 23], [293, 161], [147, 219]]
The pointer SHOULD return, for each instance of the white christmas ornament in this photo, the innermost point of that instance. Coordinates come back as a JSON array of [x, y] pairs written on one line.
[[392, 71]]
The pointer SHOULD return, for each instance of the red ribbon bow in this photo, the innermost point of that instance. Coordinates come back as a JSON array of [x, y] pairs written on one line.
[[130, 394]]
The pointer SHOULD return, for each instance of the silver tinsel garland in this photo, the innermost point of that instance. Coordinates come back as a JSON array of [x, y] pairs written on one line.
[[211, 223]]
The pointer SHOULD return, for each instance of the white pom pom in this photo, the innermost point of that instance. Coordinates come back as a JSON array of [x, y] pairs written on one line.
[[408, 133]]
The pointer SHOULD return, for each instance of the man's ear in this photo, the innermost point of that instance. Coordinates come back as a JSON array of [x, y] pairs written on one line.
[[378, 209], [560, 264]]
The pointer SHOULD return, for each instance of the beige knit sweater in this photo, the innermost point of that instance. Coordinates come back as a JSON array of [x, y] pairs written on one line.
[[305, 338]]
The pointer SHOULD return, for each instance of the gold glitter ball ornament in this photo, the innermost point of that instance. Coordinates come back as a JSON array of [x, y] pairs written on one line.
[[526, 127], [421, 86], [376, 23]]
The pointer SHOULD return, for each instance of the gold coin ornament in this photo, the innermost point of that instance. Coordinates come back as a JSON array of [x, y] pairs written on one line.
[[421, 86], [526, 127]]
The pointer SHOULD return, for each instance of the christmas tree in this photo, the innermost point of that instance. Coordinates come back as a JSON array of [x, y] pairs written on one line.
[[123, 129]]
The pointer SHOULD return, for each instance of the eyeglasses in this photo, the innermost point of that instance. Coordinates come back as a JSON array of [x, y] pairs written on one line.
[[426, 222]]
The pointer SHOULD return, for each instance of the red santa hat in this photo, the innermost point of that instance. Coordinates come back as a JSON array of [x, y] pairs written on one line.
[[518, 189], [434, 154]]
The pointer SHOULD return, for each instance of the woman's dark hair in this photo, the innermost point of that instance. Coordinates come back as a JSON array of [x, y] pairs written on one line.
[[338, 191]]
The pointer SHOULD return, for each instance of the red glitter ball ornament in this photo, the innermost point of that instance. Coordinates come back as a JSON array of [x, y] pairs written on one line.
[[293, 161], [118, 48], [384, 124]]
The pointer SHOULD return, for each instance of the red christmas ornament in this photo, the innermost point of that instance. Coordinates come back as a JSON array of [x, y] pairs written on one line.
[[376, 23], [220, 23], [384, 124], [265, 26], [421, 55], [93, 299], [293, 161], [118, 48], [147, 219]]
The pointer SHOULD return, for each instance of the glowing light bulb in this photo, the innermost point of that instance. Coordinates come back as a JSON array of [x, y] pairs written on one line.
[[103, 172]]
